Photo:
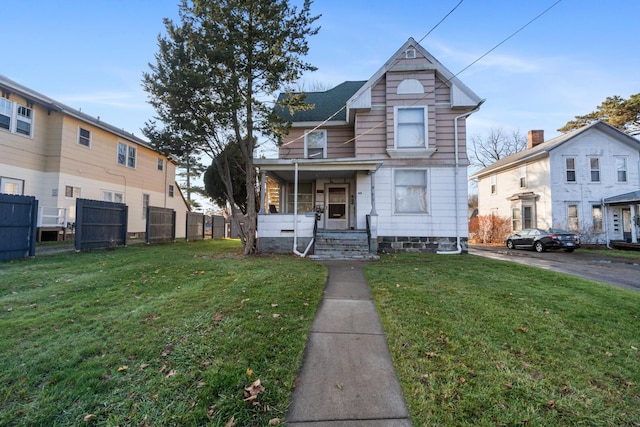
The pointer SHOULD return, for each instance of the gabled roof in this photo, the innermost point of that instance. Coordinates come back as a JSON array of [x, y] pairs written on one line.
[[461, 95], [542, 150], [14, 87], [325, 104]]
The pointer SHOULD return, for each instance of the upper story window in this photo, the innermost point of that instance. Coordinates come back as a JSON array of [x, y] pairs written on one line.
[[570, 168], [16, 118], [410, 191], [494, 186], [171, 190], [594, 166], [126, 155], [160, 164], [523, 177], [315, 144], [621, 169], [410, 127], [84, 137]]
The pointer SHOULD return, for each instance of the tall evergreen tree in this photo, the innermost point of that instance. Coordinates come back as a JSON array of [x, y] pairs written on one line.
[[216, 76], [620, 113]]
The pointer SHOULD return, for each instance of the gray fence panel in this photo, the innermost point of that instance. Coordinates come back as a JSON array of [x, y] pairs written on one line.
[[161, 225], [195, 226], [218, 228], [100, 224], [18, 220]]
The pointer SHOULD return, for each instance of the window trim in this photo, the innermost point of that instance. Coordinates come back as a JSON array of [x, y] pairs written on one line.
[[160, 164], [76, 192], [306, 147], [623, 170], [171, 190], [493, 184], [425, 126], [83, 138], [595, 220], [593, 170], [577, 216], [523, 177], [127, 159], [16, 117], [568, 170], [427, 192]]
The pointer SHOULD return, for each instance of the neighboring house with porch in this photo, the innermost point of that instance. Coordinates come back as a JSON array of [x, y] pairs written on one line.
[[585, 181], [384, 158], [59, 154]]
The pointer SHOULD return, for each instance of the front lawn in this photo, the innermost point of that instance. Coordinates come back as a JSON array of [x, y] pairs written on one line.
[[483, 342], [165, 335]]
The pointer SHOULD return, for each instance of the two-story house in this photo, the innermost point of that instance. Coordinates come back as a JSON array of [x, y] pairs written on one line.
[[58, 154], [583, 181], [386, 156]]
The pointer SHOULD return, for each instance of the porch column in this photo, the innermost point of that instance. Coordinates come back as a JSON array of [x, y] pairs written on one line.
[[263, 191], [634, 230]]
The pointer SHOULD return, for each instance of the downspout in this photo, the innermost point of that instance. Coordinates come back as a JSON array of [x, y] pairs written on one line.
[[455, 178], [295, 215]]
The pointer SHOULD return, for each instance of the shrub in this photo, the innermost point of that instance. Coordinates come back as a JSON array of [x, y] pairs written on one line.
[[489, 229]]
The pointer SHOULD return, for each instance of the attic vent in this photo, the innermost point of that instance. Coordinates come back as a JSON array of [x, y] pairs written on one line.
[[410, 54]]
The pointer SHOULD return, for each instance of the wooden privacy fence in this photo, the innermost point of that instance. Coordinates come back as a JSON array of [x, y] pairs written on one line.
[[161, 225], [195, 226], [218, 227], [18, 218], [100, 224]]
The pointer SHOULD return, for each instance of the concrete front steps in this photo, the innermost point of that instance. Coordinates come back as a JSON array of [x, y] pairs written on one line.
[[342, 245]]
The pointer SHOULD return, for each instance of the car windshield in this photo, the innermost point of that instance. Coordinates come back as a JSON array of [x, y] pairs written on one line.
[[558, 231]]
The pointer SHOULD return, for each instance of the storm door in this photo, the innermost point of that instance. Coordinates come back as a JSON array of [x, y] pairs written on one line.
[[336, 207]]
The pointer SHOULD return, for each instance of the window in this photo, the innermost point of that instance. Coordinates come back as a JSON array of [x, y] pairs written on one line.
[[410, 130], [160, 164], [570, 167], [527, 216], [621, 168], [572, 218], [516, 221], [596, 215], [410, 53], [494, 180], [523, 177], [11, 186], [6, 113], [305, 197], [112, 196], [23, 122], [70, 191], [171, 190], [594, 166], [126, 155], [315, 144], [84, 137], [410, 187], [145, 204]]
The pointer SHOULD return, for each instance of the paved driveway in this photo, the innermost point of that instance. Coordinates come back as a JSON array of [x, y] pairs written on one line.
[[606, 269]]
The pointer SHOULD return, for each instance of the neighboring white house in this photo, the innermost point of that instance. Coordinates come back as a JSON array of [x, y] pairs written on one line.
[[59, 154], [584, 181], [386, 155]]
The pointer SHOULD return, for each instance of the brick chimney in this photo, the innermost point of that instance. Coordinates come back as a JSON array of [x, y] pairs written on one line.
[[535, 137]]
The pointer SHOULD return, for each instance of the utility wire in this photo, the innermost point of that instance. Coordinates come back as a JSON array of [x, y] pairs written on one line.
[[442, 20]]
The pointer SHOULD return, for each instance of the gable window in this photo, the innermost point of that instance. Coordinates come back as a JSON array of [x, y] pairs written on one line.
[[315, 144], [6, 112], [523, 177], [126, 155], [621, 169], [410, 191], [596, 215], [160, 164], [572, 218], [570, 168], [171, 190], [84, 137], [70, 191], [594, 166], [494, 187], [410, 127]]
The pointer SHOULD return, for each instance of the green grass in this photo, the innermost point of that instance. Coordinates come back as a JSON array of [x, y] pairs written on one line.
[[484, 342], [153, 335]]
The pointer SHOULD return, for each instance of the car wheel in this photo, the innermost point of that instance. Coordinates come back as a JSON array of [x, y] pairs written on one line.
[[568, 250], [538, 246], [509, 244]]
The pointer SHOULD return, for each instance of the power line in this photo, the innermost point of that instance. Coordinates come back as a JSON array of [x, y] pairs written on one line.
[[440, 22]]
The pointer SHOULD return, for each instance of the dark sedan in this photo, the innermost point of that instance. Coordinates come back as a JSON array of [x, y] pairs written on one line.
[[541, 240]]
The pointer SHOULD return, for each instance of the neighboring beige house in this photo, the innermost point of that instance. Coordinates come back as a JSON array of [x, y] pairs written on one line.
[[59, 154], [386, 157], [587, 181]]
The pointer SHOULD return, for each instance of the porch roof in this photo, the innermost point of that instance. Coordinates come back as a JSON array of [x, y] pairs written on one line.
[[309, 169], [627, 198]]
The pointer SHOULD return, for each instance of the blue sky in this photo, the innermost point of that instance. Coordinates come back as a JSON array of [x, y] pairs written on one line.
[[91, 54]]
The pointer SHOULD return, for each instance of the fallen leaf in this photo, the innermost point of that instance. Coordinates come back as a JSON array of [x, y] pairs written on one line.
[[462, 380], [537, 375], [201, 384], [252, 392], [274, 305], [167, 350], [499, 367], [232, 422], [144, 366], [523, 329], [274, 422], [508, 386], [629, 383], [244, 300], [339, 386], [170, 373], [608, 353], [431, 355], [123, 368], [218, 317], [634, 348], [275, 315], [249, 372], [90, 417]]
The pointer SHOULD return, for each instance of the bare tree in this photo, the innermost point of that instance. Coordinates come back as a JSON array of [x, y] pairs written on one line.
[[496, 145]]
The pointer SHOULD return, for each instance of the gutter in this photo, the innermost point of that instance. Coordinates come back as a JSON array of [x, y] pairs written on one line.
[[455, 179]]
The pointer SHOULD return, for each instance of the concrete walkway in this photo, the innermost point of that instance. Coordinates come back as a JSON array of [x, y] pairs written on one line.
[[347, 378]]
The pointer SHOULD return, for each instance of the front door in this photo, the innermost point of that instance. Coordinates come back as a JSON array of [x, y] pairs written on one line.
[[336, 207], [626, 225]]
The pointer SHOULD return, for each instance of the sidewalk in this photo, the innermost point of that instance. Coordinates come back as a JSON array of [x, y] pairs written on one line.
[[347, 378]]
